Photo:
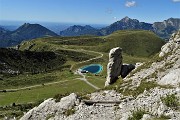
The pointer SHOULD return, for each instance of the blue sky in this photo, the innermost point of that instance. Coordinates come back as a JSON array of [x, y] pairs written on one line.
[[88, 11]]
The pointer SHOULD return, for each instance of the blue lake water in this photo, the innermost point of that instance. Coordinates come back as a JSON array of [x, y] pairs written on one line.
[[93, 68]]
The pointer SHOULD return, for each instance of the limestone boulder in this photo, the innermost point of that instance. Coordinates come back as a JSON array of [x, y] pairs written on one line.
[[172, 78], [49, 108], [114, 65], [173, 43]]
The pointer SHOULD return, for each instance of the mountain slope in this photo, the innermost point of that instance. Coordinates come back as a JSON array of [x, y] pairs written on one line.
[[133, 42], [136, 43], [14, 61], [4, 34], [78, 30], [25, 32]]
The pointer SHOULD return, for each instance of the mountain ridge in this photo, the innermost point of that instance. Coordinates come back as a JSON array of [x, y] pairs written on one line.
[[25, 32], [162, 29], [77, 30]]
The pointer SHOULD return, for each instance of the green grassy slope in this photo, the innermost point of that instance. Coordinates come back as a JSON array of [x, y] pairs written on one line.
[[135, 43]]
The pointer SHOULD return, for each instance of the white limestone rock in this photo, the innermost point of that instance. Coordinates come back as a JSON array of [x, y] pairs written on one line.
[[49, 107], [172, 78], [173, 43], [114, 65], [146, 117]]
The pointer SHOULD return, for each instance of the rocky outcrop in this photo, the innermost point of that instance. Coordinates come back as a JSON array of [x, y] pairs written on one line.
[[114, 65], [149, 101], [172, 45], [50, 108], [172, 78], [165, 71]]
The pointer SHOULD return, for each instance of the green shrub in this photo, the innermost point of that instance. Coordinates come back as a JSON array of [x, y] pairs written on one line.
[[50, 116], [140, 89], [137, 115], [171, 101], [58, 97], [69, 112]]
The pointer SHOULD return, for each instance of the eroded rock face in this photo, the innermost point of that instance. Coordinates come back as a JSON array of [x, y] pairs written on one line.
[[49, 108], [149, 101], [126, 69], [172, 78], [114, 65], [172, 45], [165, 70]]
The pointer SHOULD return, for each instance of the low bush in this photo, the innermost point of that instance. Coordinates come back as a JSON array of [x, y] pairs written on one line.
[[137, 115], [171, 101]]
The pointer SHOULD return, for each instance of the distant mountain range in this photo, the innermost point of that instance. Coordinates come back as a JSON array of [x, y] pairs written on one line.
[[31, 31], [162, 29], [25, 32], [78, 30]]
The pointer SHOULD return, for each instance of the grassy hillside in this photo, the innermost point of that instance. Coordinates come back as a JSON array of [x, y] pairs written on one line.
[[137, 43], [28, 61], [134, 43]]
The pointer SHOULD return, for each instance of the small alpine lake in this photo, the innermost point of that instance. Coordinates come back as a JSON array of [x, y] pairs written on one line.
[[93, 68]]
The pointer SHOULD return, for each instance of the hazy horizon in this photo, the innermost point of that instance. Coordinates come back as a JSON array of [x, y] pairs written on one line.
[[89, 11]]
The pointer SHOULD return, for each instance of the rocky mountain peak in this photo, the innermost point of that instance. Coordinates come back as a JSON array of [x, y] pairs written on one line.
[[127, 19], [126, 24], [25, 32], [26, 24], [167, 27], [175, 22]]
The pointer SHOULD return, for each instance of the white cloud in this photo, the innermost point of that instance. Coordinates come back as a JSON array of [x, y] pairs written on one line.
[[130, 3], [176, 0], [115, 18]]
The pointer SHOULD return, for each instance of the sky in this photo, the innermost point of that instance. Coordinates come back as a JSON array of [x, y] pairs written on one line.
[[88, 11]]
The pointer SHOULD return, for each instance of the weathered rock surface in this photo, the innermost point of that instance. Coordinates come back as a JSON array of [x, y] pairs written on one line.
[[172, 78], [114, 65], [126, 69], [149, 101], [49, 108], [172, 45], [164, 71]]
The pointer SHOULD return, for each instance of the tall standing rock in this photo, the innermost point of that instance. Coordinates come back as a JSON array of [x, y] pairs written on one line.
[[114, 65]]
